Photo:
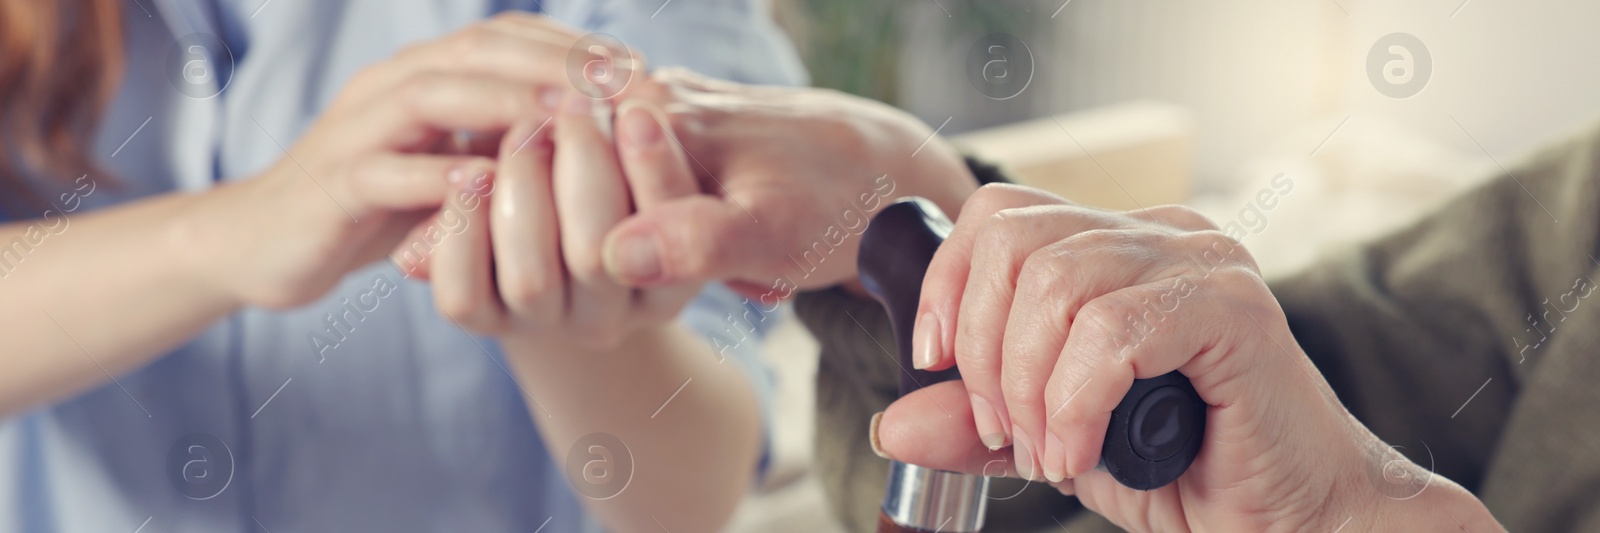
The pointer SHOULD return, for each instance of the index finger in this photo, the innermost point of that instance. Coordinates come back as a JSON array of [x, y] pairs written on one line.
[[946, 278]]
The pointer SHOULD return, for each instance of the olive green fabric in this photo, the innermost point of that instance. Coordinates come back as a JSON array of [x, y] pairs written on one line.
[[1486, 299]]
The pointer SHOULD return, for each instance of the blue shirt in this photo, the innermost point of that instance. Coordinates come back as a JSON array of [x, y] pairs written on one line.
[[409, 423]]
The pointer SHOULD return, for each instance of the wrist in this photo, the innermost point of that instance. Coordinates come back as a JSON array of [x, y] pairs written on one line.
[[1392, 493], [559, 345], [198, 238], [1442, 506]]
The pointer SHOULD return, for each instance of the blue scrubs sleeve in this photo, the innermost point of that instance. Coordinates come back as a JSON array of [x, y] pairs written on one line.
[[735, 328]]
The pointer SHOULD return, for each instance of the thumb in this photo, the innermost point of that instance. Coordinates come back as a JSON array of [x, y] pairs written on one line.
[[688, 239]]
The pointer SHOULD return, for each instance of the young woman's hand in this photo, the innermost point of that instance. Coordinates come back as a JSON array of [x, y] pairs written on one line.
[[525, 266], [1051, 310], [528, 264], [375, 162]]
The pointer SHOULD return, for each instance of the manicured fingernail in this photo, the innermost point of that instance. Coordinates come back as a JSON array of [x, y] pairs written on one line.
[[1023, 446], [987, 420], [637, 127], [872, 435], [550, 98], [1054, 459], [634, 258], [928, 336]]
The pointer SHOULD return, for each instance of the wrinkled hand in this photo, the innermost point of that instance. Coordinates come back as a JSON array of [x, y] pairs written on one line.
[[1051, 310], [790, 177]]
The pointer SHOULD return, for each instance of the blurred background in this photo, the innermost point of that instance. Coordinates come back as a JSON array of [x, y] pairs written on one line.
[[1370, 111]]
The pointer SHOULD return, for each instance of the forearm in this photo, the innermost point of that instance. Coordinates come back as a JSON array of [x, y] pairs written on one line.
[[94, 295], [690, 424]]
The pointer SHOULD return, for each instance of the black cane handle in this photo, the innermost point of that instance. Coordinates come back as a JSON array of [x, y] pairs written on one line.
[[1156, 430], [896, 250]]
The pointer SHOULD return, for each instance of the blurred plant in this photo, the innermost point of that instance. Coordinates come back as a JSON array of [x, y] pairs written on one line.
[[855, 45]]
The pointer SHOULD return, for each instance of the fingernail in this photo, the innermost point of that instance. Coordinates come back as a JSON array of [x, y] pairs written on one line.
[[1023, 446], [928, 338], [515, 138], [465, 173], [638, 126], [1054, 459], [550, 98], [987, 420], [634, 258], [872, 435]]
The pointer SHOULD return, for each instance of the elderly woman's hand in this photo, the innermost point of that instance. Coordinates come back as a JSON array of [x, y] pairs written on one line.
[[1051, 310], [790, 177]]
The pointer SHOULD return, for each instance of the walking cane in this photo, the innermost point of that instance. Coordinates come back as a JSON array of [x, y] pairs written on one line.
[[1154, 433]]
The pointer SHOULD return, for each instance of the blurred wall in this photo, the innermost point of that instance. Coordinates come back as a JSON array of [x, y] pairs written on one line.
[[1513, 73], [1271, 75]]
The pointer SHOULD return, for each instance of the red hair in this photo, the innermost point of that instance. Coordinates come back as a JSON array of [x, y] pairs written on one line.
[[60, 63]]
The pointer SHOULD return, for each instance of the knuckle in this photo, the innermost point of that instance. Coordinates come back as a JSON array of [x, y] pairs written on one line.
[[585, 266], [1050, 279], [472, 41], [995, 197], [1217, 250], [1107, 328], [689, 250], [524, 291], [1096, 239], [418, 87], [989, 199], [459, 307], [998, 236], [1048, 267], [1183, 216]]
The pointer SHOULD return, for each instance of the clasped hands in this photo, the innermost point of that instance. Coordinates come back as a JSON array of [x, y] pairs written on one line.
[[519, 248], [1050, 309], [566, 236]]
